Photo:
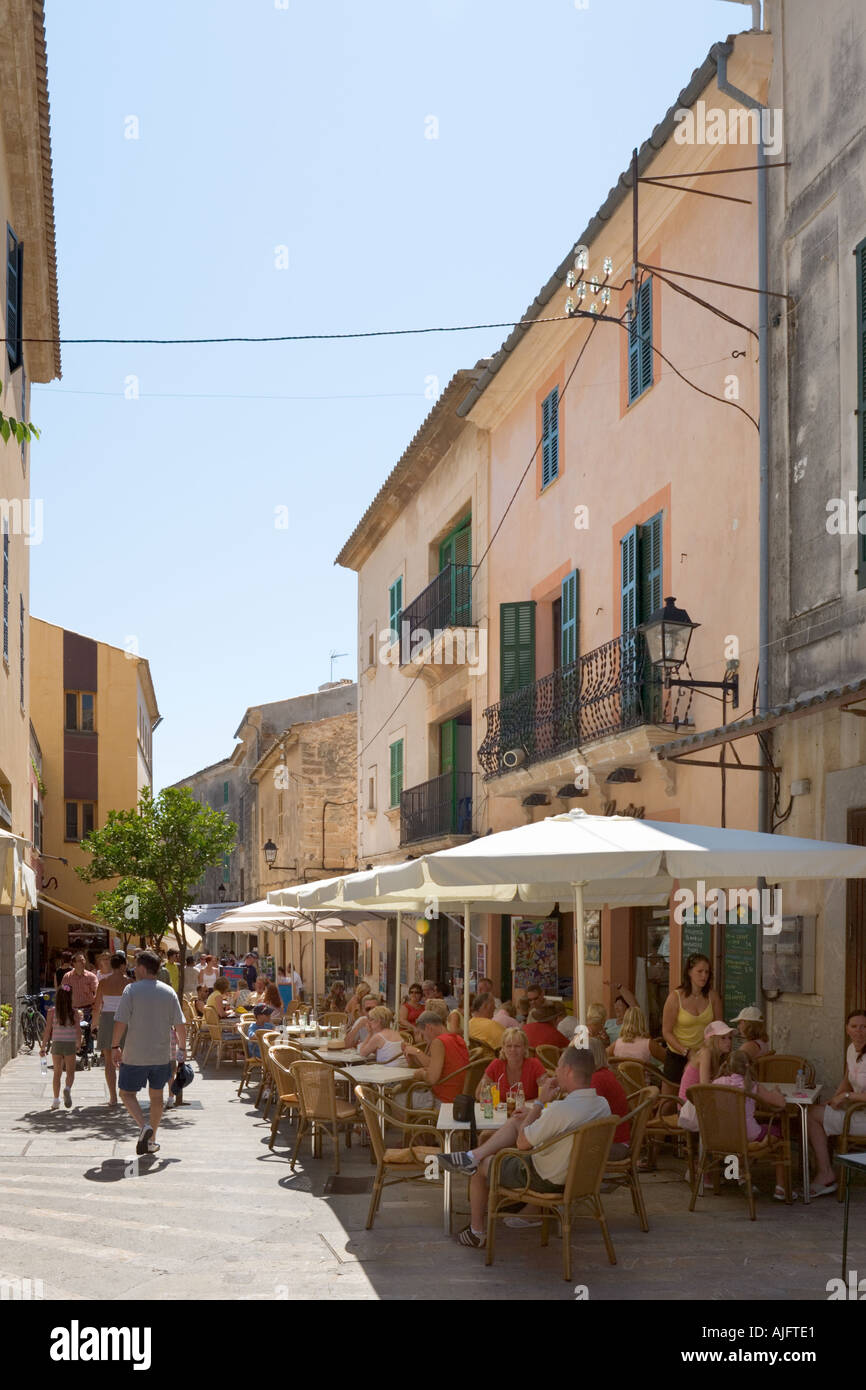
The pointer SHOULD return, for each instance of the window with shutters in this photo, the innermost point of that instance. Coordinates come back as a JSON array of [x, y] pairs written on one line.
[[516, 646], [395, 606], [13, 298], [396, 752], [860, 261], [80, 711], [371, 790], [641, 595], [569, 618], [550, 438], [640, 336], [225, 792]]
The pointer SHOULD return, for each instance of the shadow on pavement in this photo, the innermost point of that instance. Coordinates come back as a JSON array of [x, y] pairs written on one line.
[[116, 1169]]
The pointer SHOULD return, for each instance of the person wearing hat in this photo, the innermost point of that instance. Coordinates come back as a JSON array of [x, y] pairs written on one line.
[[541, 1027], [751, 1035]]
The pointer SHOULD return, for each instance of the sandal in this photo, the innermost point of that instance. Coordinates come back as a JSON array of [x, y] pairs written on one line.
[[823, 1191], [779, 1194]]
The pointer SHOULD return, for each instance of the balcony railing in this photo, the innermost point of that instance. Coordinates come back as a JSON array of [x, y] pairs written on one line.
[[446, 602], [442, 806], [603, 693]]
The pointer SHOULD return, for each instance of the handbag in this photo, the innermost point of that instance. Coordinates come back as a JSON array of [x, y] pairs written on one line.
[[688, 1117], [464, 1113]]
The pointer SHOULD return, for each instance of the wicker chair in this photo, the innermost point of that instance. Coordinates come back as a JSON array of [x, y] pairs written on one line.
[[848, 1142], [624, 1171], [320, 1109], [590, 1146], [265, 1041], [548, 1056], [251, 1064], [721, 1112], [782, 1066], [334, 1019], [629, 1073], [224, 1041], [193, 1023], [479, 1060], [282, 1058], [394, 1165]]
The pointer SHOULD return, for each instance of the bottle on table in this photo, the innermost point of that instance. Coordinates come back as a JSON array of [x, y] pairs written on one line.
[[800, 1083], [487, 1101], [520, 1097]]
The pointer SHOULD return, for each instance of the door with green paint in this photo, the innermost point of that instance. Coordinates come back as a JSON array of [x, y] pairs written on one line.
[[456, 551]]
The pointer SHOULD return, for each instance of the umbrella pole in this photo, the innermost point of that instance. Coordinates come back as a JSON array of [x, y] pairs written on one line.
[[579, 986], [315, 989], [467, 947], [397, 967], [292, 947]]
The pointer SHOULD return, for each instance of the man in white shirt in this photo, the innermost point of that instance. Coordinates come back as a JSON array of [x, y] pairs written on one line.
[[530, 1127]]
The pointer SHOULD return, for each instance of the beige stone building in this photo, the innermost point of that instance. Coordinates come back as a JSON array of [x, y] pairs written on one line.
[[30, 311]]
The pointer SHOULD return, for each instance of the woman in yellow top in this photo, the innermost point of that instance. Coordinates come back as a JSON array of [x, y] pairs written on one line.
[[687, 1012]]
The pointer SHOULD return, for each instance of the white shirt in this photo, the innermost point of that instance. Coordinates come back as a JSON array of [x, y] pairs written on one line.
[[856, 1070], [567, 1025], [561, 1117]]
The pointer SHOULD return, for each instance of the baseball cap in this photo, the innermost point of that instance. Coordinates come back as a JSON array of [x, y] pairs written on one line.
[[749, 1015], [717, 1029]]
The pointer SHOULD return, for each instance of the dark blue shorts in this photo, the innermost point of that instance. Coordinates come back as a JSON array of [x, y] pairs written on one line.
[[134, 1078]]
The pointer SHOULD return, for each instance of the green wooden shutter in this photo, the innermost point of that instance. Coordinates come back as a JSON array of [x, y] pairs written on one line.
[[448, 746], [628, 566], [570, 619], [550, 437], [516, 646], [860, 255], [649, 597], [14, 268], [645, 333], [395, 605], [456, 550], [396, 751], [633, 355]]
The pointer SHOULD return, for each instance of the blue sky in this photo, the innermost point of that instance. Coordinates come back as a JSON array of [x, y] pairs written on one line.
[[305, 127]]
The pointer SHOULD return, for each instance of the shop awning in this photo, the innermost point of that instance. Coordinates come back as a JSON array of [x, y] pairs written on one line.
[[66, 911]]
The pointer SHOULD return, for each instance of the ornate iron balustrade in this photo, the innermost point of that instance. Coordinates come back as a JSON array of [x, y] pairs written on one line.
[[446, 602], [603, 693], [442, 806]]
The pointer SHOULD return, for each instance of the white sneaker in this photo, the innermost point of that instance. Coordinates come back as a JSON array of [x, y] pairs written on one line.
[[520, 1223], [55, 1104]]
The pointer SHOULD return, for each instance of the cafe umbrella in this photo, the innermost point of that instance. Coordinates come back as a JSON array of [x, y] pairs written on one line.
[[580, 861]]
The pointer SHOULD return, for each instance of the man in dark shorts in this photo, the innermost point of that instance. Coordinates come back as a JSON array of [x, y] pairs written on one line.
[[149, 1009]]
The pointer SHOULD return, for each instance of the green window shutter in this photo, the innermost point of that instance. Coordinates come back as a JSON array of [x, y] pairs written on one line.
[[550, 437], [456, 550], [448, 746], [570, 619], [650, 568], [14, 268], [860, 255], [395, 604], [225, 792], [396, 751], [640, 334], [628, 567], [516, 646]]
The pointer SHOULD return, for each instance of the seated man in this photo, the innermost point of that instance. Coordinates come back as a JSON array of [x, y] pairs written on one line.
[[535, 1125], [540, 1027], [482, 1029], [447, 1054]]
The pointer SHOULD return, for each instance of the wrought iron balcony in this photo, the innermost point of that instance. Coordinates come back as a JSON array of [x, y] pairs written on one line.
[[445, 603], [442, 806], [606, 692]]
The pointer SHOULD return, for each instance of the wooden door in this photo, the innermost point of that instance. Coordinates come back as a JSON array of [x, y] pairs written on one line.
[[855, 922]]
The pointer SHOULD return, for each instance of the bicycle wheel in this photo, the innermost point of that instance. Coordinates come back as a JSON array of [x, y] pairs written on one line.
[[28, 1029], [39, 1025]]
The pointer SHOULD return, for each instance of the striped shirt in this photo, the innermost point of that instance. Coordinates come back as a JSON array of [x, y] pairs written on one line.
[[83, 987]]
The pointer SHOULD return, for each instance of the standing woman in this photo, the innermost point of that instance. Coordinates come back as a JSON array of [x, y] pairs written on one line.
[[107, 997], [208, 972], [687, 1013], [63, 1031]]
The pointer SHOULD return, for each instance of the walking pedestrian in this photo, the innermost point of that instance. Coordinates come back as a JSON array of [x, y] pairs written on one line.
[[63, 1032], [82, 982], [150, 1009], [107, 999]]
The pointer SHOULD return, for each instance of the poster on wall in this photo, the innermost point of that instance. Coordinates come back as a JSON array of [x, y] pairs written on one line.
[[383, 978], [592, 938], [534, 950], [368, 956], [481, 961], [418, 974]]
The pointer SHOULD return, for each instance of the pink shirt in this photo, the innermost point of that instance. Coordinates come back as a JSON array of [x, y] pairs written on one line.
[[639, 1050]]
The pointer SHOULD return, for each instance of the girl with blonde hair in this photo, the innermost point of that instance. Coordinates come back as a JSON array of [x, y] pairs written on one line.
[[382, 1039], [353, 1007], [634, 1040]]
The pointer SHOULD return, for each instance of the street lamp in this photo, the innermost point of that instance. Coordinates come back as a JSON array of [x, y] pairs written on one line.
[[668, 633], [221, 892], [269, 850]]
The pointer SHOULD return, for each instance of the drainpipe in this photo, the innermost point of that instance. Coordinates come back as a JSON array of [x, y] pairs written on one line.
[[720, 53]]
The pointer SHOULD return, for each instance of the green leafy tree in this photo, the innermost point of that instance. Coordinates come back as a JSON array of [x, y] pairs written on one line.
[[133, 908], [19, 430], [167, 842]]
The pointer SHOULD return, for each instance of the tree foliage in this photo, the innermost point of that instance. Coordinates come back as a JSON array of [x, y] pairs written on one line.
[[19, 430]]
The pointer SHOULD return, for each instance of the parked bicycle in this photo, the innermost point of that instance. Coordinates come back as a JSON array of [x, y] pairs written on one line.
[[32, 1022]]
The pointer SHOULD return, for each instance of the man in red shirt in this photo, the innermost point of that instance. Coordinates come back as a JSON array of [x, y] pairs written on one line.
[[541, 1027], [82, 982]]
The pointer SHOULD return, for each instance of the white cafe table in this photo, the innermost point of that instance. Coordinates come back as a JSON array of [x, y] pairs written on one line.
[[339, 1056], [380, 1076], [802, 1099], [447, 1124]]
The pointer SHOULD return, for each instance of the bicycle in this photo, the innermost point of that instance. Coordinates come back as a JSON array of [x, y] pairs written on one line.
[[32, 1022]]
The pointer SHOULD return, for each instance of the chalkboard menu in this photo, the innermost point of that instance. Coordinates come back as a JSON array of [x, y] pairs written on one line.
[[741, 980], [696, 935]]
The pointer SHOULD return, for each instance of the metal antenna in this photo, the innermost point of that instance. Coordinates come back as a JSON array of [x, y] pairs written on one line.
[[335, 656]]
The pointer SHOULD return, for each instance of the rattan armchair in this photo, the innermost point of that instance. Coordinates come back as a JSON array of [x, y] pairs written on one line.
[[549, 1056], [624, 1171], [265, 1040], [193, 1023], [407, 1164], [251, 1064], [282, 1057], [223, 1034], [782, 1066], [721, 1112], [848, 1142], [590, 1147], [334, 1019], [320, 1110], [479, 1060]]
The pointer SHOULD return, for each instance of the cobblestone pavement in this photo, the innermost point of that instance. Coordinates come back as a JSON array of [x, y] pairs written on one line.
[[216, 1215]]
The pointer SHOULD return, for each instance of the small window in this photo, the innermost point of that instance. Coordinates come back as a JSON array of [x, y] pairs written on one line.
[[71, 710], [396, 772], [395, 606], [550, 438], [225, 792], [225, 868], [88, 818], [72, 820], [371, 799], [371, 650], [640, 342], [87, 712]]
